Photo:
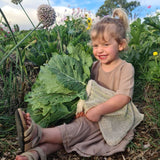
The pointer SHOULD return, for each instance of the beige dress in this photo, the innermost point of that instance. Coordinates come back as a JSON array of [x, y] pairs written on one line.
[[119, 80], [85, 137]]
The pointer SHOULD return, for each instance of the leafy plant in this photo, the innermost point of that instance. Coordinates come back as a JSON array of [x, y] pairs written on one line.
[[144, 40], [59, 86], [55, 40], [153, 74]]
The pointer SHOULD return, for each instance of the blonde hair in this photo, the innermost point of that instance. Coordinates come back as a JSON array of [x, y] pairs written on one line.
[[116, 26]]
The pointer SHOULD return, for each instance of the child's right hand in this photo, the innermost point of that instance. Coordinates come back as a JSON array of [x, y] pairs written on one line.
[[93, 115], [80, 114]]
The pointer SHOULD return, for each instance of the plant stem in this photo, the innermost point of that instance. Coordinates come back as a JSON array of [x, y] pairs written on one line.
[[34, 27], [27, 15], [11, 33], [10, 52], [48, 2], [60, 42], [22, 76]]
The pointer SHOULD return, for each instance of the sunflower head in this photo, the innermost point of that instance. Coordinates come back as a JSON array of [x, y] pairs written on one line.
[[89, 22], [46, 15]]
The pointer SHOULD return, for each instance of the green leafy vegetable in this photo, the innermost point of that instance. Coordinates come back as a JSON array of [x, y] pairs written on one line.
[[59, 86]]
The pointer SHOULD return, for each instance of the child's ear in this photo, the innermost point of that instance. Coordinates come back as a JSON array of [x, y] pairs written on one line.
[[122, 45]]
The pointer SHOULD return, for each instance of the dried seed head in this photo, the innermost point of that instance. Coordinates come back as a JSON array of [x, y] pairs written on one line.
[[16, 1], [46, 15]]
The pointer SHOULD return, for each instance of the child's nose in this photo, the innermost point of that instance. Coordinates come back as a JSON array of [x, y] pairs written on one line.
[[100, 49]]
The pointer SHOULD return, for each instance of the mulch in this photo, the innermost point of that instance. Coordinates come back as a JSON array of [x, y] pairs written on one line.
[[145, 145]]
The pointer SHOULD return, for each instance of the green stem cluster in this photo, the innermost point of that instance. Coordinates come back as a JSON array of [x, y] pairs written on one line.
[[14, 39]]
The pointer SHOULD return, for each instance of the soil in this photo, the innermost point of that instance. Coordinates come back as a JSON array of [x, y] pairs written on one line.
[[144, 146]]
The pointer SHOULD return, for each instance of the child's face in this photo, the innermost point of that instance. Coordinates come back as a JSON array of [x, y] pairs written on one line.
[[106, 51]]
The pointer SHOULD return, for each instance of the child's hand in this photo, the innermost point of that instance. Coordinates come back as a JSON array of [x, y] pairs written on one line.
[[80, 114], [92, 115]]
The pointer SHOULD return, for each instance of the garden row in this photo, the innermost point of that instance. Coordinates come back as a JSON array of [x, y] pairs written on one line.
[[55, 63]]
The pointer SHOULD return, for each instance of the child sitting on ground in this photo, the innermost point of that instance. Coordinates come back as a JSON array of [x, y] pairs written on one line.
[[105, 122]]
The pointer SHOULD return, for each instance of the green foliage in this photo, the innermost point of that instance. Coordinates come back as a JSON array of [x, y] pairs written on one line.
[[37, 53], [60, 84], [64, 59], [55, 40], [153, 22], [109, 5], [9, 89], [144, 40], [37, 49], [153, 74], [5, 35]]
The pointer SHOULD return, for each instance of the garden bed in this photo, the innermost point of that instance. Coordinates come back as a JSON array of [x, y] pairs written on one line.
[[18, 74], [145, 145]]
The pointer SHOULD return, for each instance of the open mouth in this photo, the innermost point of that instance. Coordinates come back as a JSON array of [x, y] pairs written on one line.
[[102, 57]]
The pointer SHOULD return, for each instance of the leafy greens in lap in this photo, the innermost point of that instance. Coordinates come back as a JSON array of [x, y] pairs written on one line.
[[59, 86]]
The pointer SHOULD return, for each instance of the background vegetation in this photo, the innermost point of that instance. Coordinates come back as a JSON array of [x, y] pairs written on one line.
[[109, 5]]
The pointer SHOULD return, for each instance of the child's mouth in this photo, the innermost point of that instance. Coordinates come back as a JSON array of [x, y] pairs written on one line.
[[102, 57]]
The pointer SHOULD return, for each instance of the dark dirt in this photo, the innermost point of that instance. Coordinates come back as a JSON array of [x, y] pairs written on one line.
[[144, 146]]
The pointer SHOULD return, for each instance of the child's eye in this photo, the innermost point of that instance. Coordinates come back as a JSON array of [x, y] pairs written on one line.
[[95, 45], [106, 44]]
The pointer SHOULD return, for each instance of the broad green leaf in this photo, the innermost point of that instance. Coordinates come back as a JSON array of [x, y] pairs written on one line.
[[50, 82], [69, 73], [85, 58], [59, 86]]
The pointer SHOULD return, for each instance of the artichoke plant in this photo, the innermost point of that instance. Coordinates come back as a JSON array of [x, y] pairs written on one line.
[[46, 15]]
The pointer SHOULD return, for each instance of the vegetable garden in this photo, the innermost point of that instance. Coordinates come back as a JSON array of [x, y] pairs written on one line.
[[45, 71]]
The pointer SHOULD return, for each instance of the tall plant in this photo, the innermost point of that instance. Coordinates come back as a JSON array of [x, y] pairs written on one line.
[[8, 54], [46, 14], [144, 40]]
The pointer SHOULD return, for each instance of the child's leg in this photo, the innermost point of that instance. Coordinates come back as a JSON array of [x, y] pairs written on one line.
[[49, 135], [51, 140], [47, 148]]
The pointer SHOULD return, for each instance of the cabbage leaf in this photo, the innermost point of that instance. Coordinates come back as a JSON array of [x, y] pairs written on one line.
[[59, 86]]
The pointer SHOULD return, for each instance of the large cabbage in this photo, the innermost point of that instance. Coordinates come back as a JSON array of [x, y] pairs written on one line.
[[60, 84]]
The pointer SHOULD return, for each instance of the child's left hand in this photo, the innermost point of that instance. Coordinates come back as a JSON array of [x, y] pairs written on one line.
[[92, 115], [80, 114]]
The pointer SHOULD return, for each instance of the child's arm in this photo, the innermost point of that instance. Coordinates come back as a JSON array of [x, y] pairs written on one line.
[[113, 104], [122, 97]]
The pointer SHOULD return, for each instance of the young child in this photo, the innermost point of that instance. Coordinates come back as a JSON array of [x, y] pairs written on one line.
[[105, 122]]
